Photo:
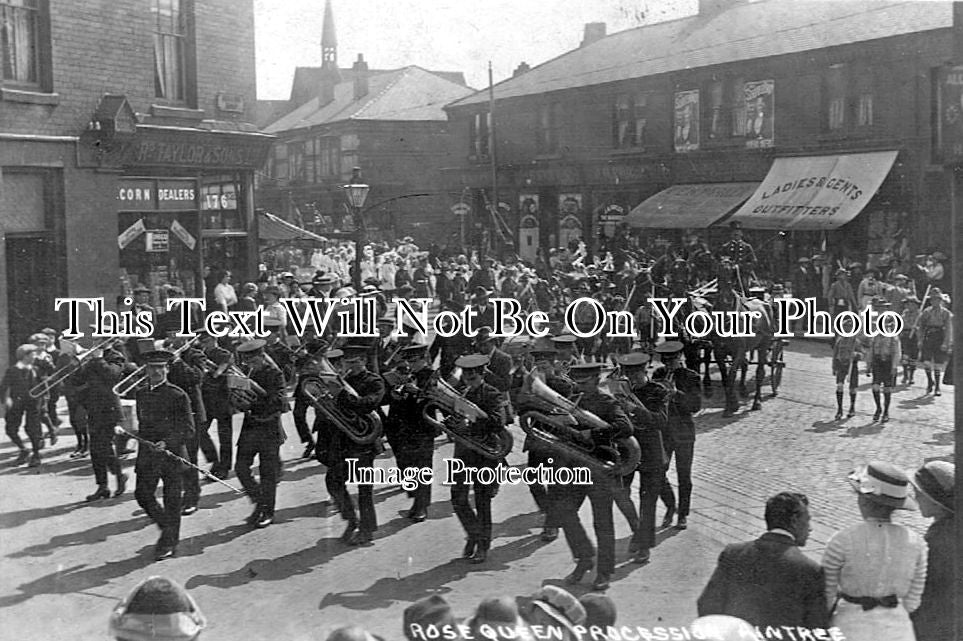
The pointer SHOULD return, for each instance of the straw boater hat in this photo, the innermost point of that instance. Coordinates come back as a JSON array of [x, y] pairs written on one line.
[[935, 480], [157, 608], [883, 483]]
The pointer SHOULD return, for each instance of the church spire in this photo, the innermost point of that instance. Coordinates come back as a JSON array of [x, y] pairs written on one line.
[[329, 40]]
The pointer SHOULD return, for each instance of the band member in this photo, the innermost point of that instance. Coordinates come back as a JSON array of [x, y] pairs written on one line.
[[543, 352], [164, 418], [43, 365], [647, 408], [883, 356], [370, 389], [499, 370], [684, 400], [261, 432], [908, 337], [411, 438], [73, 387], [322, 428], [103, 412], [477, 520], [217, 407], [450, 347], [585, 376], [936, 339], [15, 392], [307, 363], [566, 355], [186, 374], [277, 349]]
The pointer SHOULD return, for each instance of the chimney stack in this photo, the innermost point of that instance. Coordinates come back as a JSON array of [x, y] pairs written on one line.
[[520, 69], [360, 72], [593, 31]]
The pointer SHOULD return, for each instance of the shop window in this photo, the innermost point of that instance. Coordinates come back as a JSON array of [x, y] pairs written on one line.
[[173, 49], [165, 253], [479, 135], [25, 44], [630, 119], [547, 131], [219, 209]]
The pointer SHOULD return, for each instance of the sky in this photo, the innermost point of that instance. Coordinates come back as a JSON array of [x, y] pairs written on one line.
[[441, 35]]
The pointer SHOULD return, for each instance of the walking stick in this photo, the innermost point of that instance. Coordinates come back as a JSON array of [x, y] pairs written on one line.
[[168, 453]]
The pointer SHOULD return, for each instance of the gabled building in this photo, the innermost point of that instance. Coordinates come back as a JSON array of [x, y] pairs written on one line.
[[714, 106], [390, 123], [127, 152]]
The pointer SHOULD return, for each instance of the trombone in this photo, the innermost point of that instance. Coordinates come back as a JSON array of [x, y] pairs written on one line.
[[61, 374], [136, 378]]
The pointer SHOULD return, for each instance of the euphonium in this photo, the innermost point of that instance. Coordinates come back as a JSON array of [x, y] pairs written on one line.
[[454, 407], [362, 429], [541, 407]]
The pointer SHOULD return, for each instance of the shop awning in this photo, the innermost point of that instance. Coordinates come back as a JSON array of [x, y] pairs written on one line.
[[272, 228], [696, 205], [815, 192]]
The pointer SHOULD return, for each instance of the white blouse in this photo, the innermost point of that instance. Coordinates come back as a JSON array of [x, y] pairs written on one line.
[[876, 558]]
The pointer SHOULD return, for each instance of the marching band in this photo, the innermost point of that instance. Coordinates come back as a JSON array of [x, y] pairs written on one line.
[[587, 403]]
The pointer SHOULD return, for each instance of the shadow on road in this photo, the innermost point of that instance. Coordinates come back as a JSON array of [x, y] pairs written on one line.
[[389, 590]]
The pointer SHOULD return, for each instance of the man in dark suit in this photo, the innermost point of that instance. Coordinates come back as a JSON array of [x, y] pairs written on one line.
[[769, 581]]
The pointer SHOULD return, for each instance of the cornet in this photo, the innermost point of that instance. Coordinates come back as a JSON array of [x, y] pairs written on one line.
[[60, 375]]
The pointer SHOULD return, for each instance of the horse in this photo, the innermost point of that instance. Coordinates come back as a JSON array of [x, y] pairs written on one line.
[[739, 348]]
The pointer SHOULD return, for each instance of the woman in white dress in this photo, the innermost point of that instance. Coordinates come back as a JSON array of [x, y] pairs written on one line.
[[876, 570]]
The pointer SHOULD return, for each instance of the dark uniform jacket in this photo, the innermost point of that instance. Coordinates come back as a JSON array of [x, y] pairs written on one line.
[[686, 401], [609, 410], [188, 378], [492, 402], [214, 390], [499, 374], [767, 582], [649, 423], [405, 426], [97, 395], [163, 414], [371, 391], [266, 410]]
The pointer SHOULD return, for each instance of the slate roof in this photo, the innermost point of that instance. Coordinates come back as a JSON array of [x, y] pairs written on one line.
[[309, 78], [407, 94], [742, 32]]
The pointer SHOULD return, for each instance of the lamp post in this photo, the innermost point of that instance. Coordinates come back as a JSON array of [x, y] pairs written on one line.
[[356, 193]]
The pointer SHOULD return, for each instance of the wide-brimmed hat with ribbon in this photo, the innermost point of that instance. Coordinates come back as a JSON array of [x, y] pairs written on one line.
[[883, 483]]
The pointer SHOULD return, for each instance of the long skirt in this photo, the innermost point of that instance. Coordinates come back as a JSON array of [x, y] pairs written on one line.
[[891, 624]]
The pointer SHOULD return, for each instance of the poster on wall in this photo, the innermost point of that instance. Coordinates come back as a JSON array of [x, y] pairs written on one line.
[[132, 232], [528, 204], [686, 120], [570, 204], [760, 114], [158, 240]]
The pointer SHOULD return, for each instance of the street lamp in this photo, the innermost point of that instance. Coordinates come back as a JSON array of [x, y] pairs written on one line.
[[357, 193]]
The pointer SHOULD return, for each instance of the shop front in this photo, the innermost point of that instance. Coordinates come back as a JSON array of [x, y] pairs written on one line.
[[185, 210]]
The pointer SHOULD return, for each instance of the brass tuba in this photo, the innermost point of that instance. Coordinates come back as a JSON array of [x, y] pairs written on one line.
[[362, 429], [541, 408], [444, 398]]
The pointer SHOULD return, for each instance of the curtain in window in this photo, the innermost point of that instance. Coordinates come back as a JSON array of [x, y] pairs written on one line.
[[19, 40]]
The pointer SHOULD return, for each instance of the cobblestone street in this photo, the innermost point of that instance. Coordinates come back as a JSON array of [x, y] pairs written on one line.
[[67, 562]]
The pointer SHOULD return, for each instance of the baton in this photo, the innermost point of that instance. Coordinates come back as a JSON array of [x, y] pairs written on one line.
[[205, 473]]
